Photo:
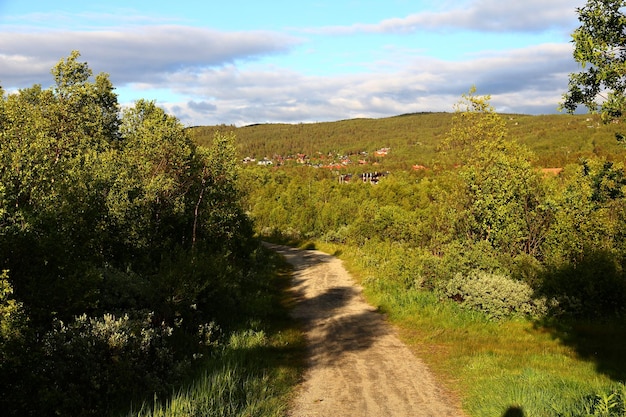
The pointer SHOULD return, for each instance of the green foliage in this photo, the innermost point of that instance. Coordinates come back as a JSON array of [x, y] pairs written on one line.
[[599, 48], [593, 287], [475, 124], [495, 213], [91, 366], [607, 403], [12, 319], [496, 295], [504, 195], [127, 247], [253, 370], [589, 214], [227, 387]]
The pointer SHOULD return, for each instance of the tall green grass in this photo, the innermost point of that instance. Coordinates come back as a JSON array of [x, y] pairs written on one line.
[[510, 367], [238, 382]]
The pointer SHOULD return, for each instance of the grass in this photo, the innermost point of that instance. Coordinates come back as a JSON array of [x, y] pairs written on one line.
[[251, 373], [244, 380], [513, 367]]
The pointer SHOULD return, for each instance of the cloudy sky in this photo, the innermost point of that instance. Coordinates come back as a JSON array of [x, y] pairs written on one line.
[[248, 61]]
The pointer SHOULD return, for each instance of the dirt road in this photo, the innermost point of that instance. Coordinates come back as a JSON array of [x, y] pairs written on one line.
[[357, 366]]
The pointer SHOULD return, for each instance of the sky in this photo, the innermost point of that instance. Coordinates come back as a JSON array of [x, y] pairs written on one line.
[[240, 62]]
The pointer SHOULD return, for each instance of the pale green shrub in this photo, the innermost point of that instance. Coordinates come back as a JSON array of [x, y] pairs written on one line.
[[91, 365], [496, 295]]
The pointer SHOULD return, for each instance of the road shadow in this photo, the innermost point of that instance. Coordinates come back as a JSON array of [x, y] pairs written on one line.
[[350, 333], [334, 330], [337, 320]]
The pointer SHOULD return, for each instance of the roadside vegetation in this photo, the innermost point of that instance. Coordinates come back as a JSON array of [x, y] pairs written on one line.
[[508, 279], [128, 266]]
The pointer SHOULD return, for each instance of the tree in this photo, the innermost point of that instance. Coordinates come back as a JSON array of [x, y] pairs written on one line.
[[503, 191], [475, 125], [600, 49], [51, 199], [121, 243]]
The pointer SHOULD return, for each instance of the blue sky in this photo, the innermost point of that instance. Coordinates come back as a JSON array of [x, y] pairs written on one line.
[[240, 61]]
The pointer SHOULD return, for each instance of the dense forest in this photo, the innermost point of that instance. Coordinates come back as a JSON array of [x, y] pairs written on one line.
[[126, 256]]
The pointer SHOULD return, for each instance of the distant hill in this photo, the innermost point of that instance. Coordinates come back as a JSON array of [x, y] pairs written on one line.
[[413, 138]]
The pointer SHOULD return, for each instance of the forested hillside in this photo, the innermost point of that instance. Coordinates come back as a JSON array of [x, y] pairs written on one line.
[[126, 256], [414, 139]]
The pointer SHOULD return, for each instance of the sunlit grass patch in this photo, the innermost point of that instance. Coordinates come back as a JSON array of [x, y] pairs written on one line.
[[245, 380]]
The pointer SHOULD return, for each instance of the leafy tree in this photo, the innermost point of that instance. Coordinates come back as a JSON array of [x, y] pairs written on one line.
[[50, 147], [475, 124], [600, 49], [114, 227], [504, 195], [148, 176]]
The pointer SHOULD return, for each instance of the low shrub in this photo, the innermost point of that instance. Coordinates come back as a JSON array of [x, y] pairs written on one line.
[[93, 364], [496, 295], [607, 403]]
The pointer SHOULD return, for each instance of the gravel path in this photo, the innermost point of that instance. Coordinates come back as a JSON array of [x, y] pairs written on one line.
[[357, 366]]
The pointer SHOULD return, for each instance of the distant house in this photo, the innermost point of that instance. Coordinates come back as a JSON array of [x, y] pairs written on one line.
[[373, 177], [248, 160], [382, 152], [368, 177], [265, 162]]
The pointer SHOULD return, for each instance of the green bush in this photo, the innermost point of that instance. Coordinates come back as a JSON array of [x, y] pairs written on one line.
[[496, 295], [93, 365], [608, 403]]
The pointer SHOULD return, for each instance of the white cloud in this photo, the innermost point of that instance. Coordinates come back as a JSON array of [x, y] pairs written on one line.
[[144, 53], [528, 80], [198, 73], [478, 15]]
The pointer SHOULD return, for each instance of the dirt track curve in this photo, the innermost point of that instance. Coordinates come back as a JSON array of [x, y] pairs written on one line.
[[357, 366]]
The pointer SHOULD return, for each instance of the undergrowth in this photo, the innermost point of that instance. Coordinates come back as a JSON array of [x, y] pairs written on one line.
[[251, 372]]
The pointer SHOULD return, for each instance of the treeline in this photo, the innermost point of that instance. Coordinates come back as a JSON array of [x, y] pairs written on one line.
[[556, 140], [124, 249], [494, 233]]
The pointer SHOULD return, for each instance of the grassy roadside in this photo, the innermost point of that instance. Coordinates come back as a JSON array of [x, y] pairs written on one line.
[[252, 371], [504, 368]]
